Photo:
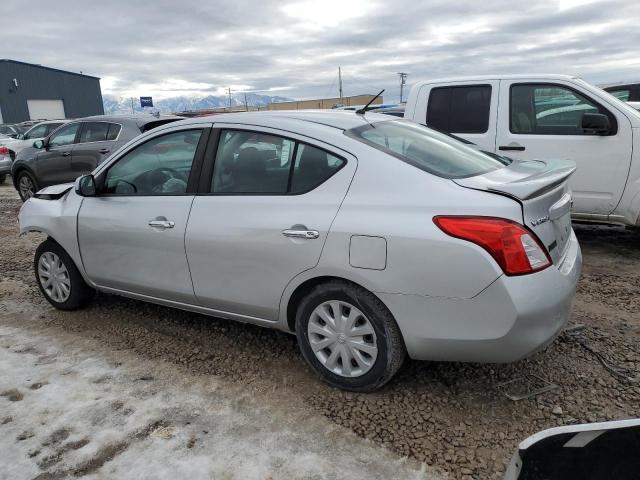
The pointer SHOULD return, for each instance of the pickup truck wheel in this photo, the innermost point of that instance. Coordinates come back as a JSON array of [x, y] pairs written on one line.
[[3, 177], [26, 184], [58, 278], [349, 337]]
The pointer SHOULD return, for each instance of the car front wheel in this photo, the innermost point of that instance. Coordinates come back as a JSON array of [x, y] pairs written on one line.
[[58, 278], [26, 184], [348, 336]]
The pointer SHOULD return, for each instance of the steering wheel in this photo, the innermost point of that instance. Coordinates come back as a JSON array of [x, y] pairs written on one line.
[[168, 174]]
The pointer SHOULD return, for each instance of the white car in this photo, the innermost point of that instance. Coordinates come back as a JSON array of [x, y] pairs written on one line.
[[37, 132], [545, 117], [368, 237]]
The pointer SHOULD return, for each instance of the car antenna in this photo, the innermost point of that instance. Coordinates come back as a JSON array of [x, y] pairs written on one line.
[[363, 110]]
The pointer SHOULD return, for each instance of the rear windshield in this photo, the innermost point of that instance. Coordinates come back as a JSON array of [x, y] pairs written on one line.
[[426, 149]]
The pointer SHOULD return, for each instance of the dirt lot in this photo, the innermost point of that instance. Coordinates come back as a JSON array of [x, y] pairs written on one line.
[[454, 417]]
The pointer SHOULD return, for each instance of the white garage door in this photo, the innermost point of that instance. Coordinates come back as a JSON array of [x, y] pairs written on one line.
[[45, 109]]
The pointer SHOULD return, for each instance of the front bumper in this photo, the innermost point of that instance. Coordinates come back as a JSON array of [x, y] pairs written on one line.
[[509, 320], [5, 165]]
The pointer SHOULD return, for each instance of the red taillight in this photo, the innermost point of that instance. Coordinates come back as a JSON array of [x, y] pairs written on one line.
[[4, 151], [516, 249]]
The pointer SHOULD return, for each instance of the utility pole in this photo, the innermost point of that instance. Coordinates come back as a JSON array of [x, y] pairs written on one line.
[[132, 109], [229, 91], [246, 105], [340, 85], [403, 82]]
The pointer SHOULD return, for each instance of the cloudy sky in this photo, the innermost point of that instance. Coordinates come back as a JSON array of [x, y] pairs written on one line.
[[292, 48]]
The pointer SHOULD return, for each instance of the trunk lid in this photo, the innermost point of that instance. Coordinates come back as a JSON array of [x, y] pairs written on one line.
[[542, 188]]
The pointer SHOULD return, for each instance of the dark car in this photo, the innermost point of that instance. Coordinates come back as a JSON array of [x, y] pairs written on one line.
[[397, 111], [628, 92], [77, 148]]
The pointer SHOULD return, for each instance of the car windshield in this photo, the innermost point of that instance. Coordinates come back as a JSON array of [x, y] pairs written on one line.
[[426, 149]]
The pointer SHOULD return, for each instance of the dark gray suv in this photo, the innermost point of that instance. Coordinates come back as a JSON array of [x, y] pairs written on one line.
[[77, 148]]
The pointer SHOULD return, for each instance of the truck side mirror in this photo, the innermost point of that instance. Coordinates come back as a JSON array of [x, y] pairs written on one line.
[[597, 451], [86, 186], [596, 123]]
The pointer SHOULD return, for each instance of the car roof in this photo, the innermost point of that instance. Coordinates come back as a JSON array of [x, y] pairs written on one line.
[[139, 119], [484, 78], [341, 119]]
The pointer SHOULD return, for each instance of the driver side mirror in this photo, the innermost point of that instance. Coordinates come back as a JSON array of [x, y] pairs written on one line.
[[38, 144], [596, 123], [86, 186]]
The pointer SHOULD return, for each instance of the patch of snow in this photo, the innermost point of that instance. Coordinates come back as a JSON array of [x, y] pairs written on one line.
[[70, 411]]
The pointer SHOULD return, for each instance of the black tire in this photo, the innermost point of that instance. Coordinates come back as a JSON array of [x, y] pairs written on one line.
[[3, 177], [79, 293], [23, 174], [391, 349]]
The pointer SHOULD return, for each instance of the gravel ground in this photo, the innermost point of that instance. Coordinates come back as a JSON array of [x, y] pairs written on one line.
[[455, 417]]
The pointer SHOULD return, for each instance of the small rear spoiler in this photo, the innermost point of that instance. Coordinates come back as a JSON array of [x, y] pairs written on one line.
[[523, 179]]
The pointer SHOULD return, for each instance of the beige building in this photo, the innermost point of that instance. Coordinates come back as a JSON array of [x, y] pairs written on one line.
[[323, 103]]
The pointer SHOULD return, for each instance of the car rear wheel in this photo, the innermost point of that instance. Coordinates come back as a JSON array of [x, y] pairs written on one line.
[[26, 184], [58, 278], [348, 337]]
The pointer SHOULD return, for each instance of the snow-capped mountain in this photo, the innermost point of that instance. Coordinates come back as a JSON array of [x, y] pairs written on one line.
[[122, 105]]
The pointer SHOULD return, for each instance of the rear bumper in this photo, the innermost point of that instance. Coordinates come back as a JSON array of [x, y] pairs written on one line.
[[5, 165], [509, 320]]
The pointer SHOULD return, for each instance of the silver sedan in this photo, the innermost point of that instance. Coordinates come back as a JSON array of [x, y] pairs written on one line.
[[370, 238]]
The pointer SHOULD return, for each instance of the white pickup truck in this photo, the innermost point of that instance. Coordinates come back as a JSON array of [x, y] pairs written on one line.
[[544, 117]]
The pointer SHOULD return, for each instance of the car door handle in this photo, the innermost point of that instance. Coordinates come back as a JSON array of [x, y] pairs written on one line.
[[162, 223], [104, 150], [302, 233], [65, 154], [517, 148]]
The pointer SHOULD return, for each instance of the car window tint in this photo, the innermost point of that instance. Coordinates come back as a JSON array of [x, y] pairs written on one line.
[[65, 135], [459, 109], [94, 132], [623, 95], [114, 130], [252, 162], [160, 166], [312, 167], [38, 131], [426, 149], [548, 110], [52, 127]]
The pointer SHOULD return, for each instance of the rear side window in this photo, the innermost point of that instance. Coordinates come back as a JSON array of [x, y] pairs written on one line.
[[546, 109], [622, 94], [114, 131], [459, 109], [94, 132], [426, 149], [259, 163]]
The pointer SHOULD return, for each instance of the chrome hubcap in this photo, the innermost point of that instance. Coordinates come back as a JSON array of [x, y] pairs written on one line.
[[342, 338], [26, 187], [54, 277]]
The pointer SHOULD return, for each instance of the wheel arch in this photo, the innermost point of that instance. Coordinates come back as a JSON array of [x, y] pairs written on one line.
[[303, 287], [16, 173]]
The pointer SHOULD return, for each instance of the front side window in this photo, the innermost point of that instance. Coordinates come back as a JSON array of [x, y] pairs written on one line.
[[94, 132], [160, 166], [51, 127], [549, 110], [39, 131], [260, 163], [65, 135], [426, 149], [462, 109]]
